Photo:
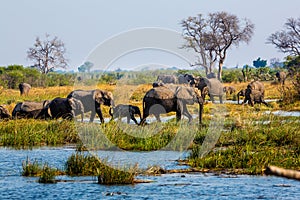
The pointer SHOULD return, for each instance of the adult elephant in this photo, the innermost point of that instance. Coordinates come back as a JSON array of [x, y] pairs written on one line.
[[281, 76], [257, 85], [28, 109], [92, 100], [170, 98], [214, 87], [254, 96], [24, 88], [66, 108], [167, 79], [186, 79]]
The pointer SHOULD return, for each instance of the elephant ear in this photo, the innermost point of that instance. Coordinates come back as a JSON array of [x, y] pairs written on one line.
[[98, 96]]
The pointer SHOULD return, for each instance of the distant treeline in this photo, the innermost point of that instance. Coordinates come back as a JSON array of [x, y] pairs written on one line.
[[12, 75]]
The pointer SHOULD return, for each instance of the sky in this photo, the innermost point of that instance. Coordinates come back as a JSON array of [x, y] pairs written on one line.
[[87, 25]]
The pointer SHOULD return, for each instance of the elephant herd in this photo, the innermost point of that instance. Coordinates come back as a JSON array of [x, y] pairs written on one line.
[[163, 97], [76, 103]]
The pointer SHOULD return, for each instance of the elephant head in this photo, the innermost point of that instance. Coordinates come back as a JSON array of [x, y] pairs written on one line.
[[103, 97], [4, 114]]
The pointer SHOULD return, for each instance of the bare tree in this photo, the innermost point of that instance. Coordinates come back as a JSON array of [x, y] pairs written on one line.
[[212, 37], [48, 54], [287, 40]]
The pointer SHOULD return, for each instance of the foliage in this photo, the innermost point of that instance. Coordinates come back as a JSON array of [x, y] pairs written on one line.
[[293, 66], [47, 174], [31, 169], [26, 133], [287, 40], [12, 75], [85, 67], [48, 54], [259, 63], [81, 164], [253, 144], [212, 37]]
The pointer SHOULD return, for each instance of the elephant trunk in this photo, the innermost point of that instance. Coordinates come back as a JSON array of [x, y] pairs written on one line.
[[200, 112], [110, 111]]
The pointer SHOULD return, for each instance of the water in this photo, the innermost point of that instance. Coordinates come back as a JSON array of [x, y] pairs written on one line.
[[168, 186]]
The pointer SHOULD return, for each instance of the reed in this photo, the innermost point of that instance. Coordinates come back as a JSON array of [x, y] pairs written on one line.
[[84, 164]]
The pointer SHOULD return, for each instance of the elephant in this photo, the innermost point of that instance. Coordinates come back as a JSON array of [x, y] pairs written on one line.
[[28, 109], [167, 79], [214, 86], [257, 85], [170, 98], [186, 79], [241, 93], [128, 111], [92, 100], [4, 114], [66, 108], [24, 88], [254, 96], [157, 84], [229, 89], [281, 76]]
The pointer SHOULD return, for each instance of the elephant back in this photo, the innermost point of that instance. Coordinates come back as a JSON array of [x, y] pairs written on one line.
[[257, 85], [160, 93], [215, 87]]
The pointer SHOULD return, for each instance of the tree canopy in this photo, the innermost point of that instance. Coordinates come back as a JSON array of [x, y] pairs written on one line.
[[287, 40], [211, 37], [48, 54]]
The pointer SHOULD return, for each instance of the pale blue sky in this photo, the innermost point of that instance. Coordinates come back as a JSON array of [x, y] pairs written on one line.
[[84, 24]]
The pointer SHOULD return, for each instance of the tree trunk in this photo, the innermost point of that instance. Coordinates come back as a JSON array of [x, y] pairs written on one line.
[[287, 173], [220, 70]]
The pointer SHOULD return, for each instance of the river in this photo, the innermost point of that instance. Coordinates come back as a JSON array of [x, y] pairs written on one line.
[[167, 186]]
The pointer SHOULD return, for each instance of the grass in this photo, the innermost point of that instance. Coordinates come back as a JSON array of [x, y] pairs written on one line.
[[250, 140], [83, 164], [45, 173], [25, 133]]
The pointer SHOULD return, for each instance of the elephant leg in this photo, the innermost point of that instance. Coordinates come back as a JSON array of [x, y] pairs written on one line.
[[157, 117], [187, 113], [212, 99], [128, 119], [133, 118], [178, 116], [221, 99]]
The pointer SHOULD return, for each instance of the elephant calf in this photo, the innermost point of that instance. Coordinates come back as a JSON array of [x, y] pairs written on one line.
[[66, 108], [28, 109], [128, 111]]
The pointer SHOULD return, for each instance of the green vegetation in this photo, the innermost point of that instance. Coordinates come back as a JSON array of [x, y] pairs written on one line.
[[84, 164], [26, 133], [45, 173], [253, 144]]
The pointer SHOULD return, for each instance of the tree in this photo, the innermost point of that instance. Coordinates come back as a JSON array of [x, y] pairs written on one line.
[[48, 54], [287, 40], [259, 63], [85, 67], [211, 38]]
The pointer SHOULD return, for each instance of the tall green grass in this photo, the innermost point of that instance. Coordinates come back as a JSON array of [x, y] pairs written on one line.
[[24, 133], [255, 144]]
